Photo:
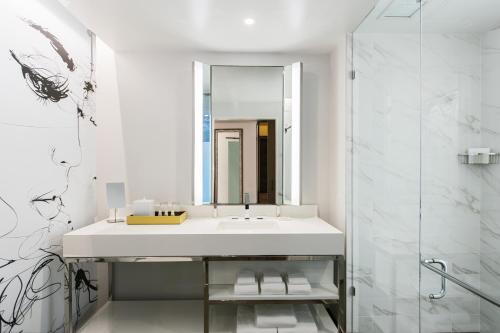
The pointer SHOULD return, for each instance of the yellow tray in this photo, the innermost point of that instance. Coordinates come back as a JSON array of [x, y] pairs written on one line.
[[177, 219]]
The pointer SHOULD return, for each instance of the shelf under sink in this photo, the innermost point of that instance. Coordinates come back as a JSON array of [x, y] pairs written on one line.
[[225, 293], [223, 319], [175, 317], [146, 317]]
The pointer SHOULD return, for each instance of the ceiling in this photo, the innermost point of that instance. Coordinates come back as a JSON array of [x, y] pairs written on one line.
[[311, 26], [435, 16]]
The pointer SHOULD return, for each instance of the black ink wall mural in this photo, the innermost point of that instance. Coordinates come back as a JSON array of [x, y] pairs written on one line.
[[47, 163]]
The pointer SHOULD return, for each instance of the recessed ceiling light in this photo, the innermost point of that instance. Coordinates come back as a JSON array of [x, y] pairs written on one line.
[[249, 21]]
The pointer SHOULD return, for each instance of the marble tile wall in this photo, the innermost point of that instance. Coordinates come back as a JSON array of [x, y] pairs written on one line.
[[385, 183], [490, 175], [451, 192], [460, 223]]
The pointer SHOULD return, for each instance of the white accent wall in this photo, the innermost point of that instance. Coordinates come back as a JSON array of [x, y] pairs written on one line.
[[48, 162]]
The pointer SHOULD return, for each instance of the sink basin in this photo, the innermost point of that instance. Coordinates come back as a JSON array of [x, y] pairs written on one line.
[[251, 225]]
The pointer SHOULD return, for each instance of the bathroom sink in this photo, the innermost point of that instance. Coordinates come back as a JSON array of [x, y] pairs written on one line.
[[247, 225]]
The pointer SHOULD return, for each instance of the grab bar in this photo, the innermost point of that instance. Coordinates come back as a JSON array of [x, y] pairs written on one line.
[[444, 268], [460, 283]]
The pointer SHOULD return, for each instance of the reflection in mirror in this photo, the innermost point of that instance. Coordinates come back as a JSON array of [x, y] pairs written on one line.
[[228, 165], [251, 98], [266, 161], [245, 148]]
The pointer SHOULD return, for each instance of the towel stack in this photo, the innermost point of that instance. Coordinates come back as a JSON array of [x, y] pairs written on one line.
[[275, 315], [246, 284], [272, 283], [297, 284], [305, 321], [275, 318], [245, 321]]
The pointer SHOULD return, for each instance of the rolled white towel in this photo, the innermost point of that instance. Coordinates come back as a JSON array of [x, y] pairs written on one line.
[[299, 289], [245, 321], [271, 277], [274, 315], [246, 277], [305, 321], [273, 288], [296, 278], [246, 289]]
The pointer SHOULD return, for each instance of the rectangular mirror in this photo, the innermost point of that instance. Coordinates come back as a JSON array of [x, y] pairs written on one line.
[[247, 134]]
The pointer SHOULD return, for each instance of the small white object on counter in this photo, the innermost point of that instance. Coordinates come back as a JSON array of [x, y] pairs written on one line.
[[143, 207]]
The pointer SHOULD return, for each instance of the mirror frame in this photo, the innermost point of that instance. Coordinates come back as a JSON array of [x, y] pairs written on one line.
[[296, 108]]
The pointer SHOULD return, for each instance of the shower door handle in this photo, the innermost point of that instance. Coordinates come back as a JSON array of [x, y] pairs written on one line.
[[444, 268]]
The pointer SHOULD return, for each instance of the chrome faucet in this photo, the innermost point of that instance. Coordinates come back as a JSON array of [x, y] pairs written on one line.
[[246, 201], [247, 211]]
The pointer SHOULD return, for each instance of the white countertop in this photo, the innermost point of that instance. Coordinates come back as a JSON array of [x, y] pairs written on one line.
[[204, 237]]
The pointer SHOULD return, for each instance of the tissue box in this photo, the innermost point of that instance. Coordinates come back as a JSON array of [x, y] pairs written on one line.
[[177, 219]]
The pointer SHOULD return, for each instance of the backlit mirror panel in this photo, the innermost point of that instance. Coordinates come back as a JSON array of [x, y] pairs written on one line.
[[247, 134]]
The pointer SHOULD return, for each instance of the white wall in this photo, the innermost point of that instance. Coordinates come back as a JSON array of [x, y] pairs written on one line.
[[156, 103], [337, 135], [110, 152]]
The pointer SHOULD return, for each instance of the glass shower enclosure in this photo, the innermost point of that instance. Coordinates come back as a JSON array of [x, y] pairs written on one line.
[[423, 250]]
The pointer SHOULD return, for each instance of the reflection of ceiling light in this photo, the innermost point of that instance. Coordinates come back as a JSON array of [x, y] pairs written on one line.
[[249, 21]]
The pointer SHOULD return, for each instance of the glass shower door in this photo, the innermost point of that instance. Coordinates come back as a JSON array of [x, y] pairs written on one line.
[[424, 208], [383, 250], [460, 192]]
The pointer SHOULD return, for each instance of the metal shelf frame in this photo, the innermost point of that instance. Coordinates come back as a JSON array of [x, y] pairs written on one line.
[[338, 277]]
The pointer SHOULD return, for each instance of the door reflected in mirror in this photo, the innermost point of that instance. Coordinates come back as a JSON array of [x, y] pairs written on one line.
[[245, 148], [245, 162], [228, 165]]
